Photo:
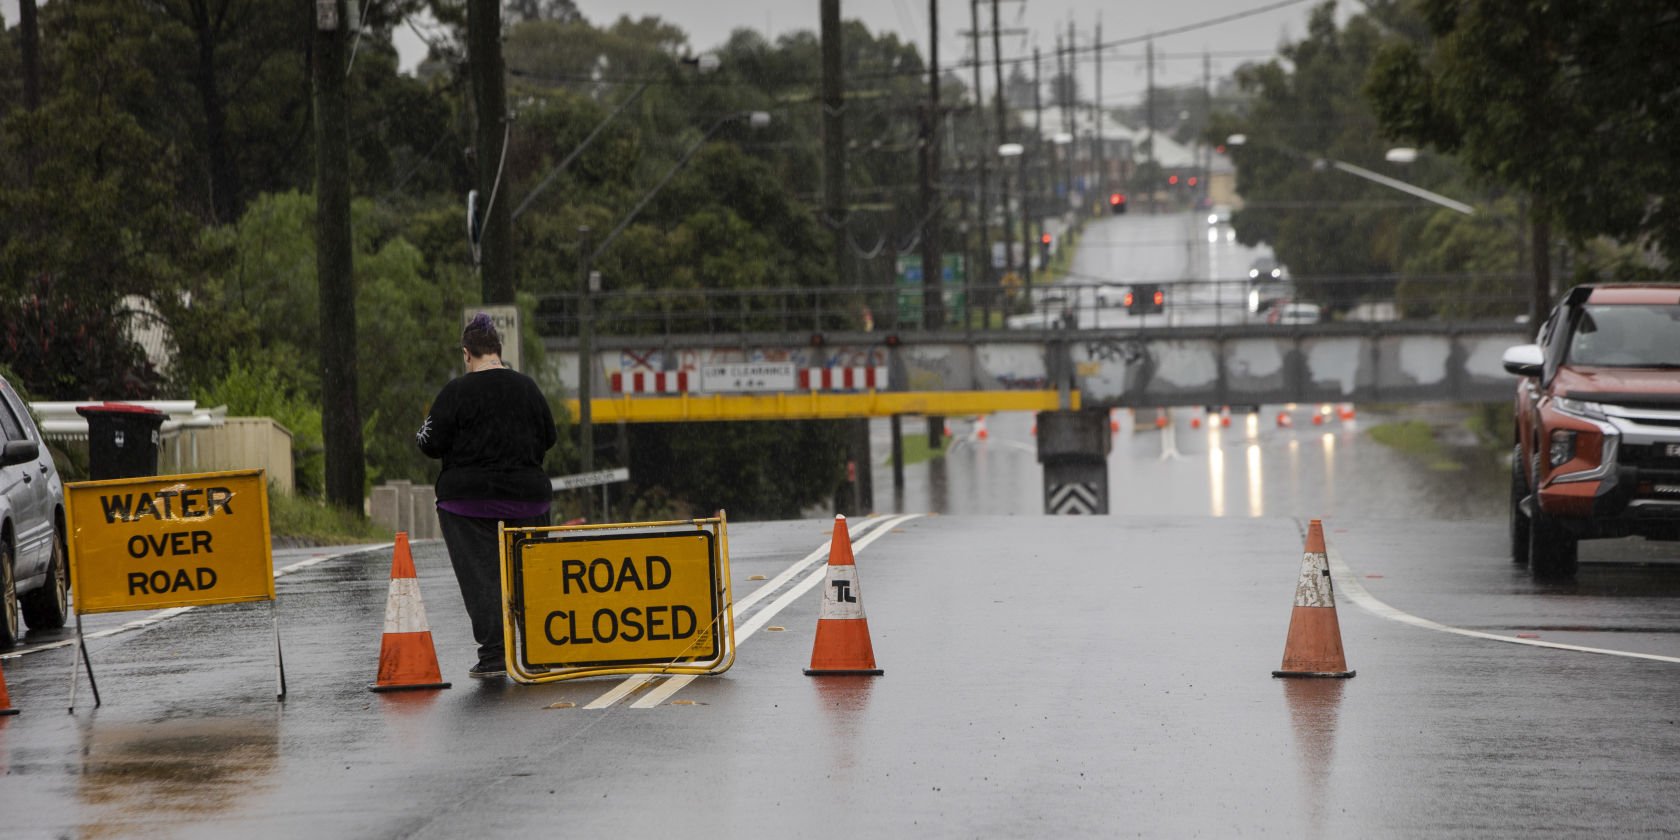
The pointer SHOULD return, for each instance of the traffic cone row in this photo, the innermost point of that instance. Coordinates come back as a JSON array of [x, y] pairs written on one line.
[[407, 657], [842, 645], [1314, 645]]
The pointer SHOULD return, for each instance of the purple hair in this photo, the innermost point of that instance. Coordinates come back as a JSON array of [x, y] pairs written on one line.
[[480, 337]]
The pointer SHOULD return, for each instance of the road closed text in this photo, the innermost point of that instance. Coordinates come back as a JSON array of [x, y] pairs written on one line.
[[171, 541], [633, 623]]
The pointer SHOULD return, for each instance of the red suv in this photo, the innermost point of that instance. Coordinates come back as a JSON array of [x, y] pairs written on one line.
[[1597, 424]]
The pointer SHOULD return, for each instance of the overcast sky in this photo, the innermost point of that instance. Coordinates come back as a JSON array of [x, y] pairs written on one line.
[[1250, 37], [1179, 61]]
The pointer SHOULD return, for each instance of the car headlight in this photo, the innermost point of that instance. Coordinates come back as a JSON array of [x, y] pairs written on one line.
[[1562, 448], [1579, 408]]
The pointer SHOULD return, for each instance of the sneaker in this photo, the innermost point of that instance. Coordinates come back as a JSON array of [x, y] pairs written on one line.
[[484, 670]]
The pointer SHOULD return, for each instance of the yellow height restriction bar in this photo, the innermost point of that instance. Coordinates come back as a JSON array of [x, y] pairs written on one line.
[[816, 405], [625, 598]]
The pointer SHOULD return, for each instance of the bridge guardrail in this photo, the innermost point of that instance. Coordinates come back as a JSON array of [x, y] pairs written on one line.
[[1050, 306]]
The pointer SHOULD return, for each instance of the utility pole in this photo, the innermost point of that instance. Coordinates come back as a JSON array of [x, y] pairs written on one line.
[[1149, 117], [834, 193], [586, 352], [933, 260], [341, 420], [484, 64], [1031, 200], [1002, 115], [1097, 115], [982, 203], [933, 275]]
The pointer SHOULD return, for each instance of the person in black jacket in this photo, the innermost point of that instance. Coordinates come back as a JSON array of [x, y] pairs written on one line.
[[491, 428]]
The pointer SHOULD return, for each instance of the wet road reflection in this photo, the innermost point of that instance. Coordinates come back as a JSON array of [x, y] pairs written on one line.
[[1197, 466], [1314, 706], [178, 771]]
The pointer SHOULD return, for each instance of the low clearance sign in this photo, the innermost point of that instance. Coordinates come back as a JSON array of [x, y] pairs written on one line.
[[169, 541], [618, 600]]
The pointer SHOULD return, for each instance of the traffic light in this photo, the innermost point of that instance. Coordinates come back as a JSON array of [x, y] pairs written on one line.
[[1117, 203], [1044, 241], [1172, 180], [1145, 299]]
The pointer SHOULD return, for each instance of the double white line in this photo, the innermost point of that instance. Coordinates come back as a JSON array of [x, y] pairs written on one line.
[[671, 685]]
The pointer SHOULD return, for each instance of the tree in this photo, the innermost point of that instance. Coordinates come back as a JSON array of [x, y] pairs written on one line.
[[1568, 103]]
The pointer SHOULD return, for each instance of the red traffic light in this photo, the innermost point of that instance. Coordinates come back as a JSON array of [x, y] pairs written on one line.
[[1044, 239], [1172, 179], [1116, 199], [1160, 297], [1126, 300], [1192, 180]]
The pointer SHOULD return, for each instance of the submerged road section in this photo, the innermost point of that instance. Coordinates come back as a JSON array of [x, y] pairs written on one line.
[[1075, 676]]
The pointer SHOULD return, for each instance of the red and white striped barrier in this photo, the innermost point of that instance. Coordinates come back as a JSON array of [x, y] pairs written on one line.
[[843, 379], [650, 382]]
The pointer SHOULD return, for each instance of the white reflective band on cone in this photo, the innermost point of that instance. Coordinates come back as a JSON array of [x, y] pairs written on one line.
[[1314, 587], [404, 611], [840, 594]]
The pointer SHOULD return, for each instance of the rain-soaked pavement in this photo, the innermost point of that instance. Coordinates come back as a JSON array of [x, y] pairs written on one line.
[[1082, 676]]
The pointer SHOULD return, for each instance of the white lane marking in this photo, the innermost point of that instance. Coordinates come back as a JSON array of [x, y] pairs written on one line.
[[673, 685], [1356, 592], [631, 683], [165, 615]]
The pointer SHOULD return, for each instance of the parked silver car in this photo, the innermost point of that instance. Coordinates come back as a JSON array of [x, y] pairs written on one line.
[[34, 570]]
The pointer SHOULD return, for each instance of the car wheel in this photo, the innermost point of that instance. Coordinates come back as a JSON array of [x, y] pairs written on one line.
[[10, 625], [1552, 550], [1519, 520], [48, 606]]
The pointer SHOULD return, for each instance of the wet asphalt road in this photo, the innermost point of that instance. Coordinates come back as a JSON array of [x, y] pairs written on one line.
[[1079, 675]]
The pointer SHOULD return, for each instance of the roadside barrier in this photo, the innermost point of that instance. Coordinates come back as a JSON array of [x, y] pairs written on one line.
[[5, 698], [407, 657], [1314, 646], [842, 645]]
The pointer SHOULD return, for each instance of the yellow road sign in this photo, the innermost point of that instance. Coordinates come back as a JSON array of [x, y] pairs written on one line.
[[169, 541], [617, 598]]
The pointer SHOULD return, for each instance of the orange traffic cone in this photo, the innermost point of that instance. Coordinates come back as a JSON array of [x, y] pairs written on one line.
[[5, 699], [1224, 417], [1160, 418], [1113, 422], [980, 429], [1345, 412], [407, 658], [842, 644], [1284, 421], [946, 428], [1314, 647]]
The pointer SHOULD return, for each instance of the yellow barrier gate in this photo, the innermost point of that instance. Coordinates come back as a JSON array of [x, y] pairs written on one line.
[[622, 598], [158, 542]]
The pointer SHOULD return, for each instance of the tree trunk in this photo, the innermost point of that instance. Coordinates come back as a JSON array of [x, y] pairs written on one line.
[[1540, 303], [224, 176]]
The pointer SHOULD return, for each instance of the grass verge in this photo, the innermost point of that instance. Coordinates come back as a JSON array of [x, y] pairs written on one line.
[[311, 521], [1416, 439], [916, 450]]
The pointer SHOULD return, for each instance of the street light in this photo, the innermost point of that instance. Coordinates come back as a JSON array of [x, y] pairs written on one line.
[[1397, 155], [588, 280]]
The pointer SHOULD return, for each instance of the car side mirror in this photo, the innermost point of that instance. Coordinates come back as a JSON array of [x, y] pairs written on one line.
[[1524, 360], [19, 452]]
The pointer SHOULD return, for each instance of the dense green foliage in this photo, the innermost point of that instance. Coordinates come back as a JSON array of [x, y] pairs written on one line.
[[168, 169]]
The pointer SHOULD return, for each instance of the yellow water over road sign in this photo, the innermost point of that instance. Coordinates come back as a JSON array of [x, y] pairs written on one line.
[[618, 599], [169, 541]]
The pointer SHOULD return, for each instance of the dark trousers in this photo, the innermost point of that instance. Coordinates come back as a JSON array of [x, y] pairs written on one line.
[[474, 554]]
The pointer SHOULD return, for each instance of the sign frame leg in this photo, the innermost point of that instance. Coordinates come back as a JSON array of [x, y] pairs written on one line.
[[79, 657], [279, 655]]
